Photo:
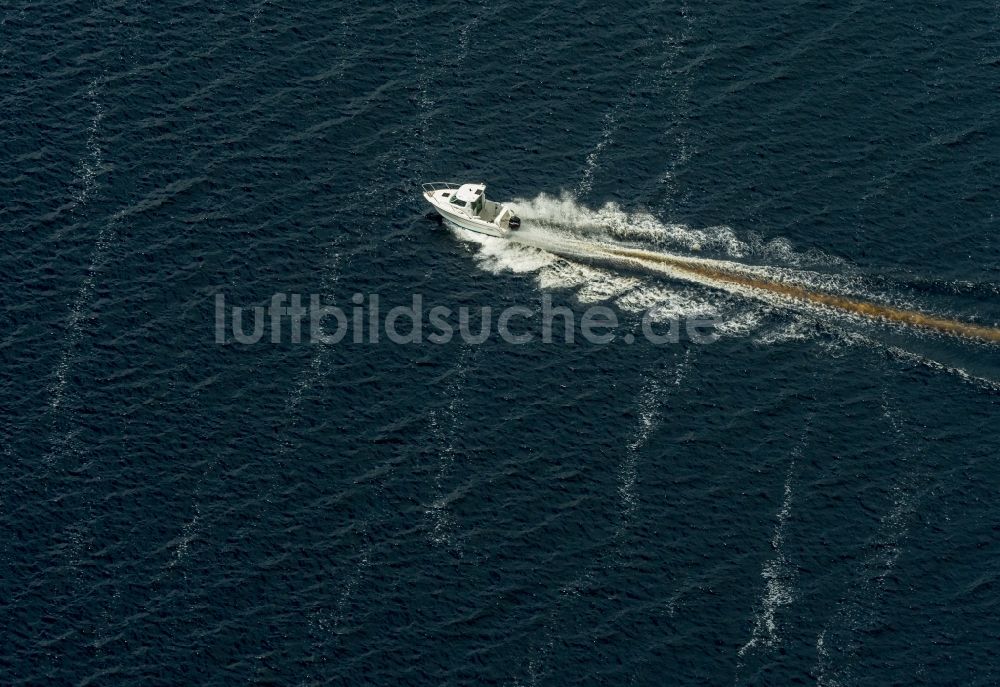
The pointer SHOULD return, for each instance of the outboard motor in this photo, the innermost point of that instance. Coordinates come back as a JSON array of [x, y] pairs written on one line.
[[515, 222]]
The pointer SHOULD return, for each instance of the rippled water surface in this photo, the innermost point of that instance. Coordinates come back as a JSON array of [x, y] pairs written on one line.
[[810, 499]]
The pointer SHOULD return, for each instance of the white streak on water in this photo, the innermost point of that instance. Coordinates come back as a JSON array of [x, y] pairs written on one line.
[[653, 395], [87, 171], [76, 541], [188, 534], [651, 78], [799, 329], [90, 164], [326, 625], [608, 129], [78, 313], [314, 372], [680, 93], [351, 584], [445, 425], [436, 76], [655, 391], [255, 15], [964, 375], [305, 381], [444, 422], [779, 577], [859, 340], [838, 643]]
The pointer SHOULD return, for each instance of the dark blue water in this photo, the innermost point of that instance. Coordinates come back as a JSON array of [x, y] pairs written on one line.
[[810, 499]]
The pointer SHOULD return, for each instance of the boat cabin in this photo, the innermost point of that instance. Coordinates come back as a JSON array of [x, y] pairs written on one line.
[[469, 197]]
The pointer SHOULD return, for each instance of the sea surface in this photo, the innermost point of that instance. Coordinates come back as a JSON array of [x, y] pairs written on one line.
[[810, 499]]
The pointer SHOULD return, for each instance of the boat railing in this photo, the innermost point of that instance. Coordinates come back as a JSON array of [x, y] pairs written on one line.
[[432, 186]]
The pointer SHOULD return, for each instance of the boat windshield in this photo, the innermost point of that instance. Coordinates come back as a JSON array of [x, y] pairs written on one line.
[[459, 203]]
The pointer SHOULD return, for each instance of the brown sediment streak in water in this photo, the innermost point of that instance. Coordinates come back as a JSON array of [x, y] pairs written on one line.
[[872, 310]]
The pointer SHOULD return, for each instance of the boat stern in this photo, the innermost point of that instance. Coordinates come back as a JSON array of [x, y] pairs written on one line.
[[507, 220]]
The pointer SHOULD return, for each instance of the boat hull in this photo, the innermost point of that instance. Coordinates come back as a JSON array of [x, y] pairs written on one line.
[[478, 227]]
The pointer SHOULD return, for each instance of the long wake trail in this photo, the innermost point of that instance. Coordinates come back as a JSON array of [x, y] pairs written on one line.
[[736, 276]]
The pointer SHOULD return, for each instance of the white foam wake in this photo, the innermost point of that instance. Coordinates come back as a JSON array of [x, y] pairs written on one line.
[[612, 256], [567, 246]]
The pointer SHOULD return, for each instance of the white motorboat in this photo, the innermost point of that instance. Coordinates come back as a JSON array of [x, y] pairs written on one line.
[[466, 206]]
